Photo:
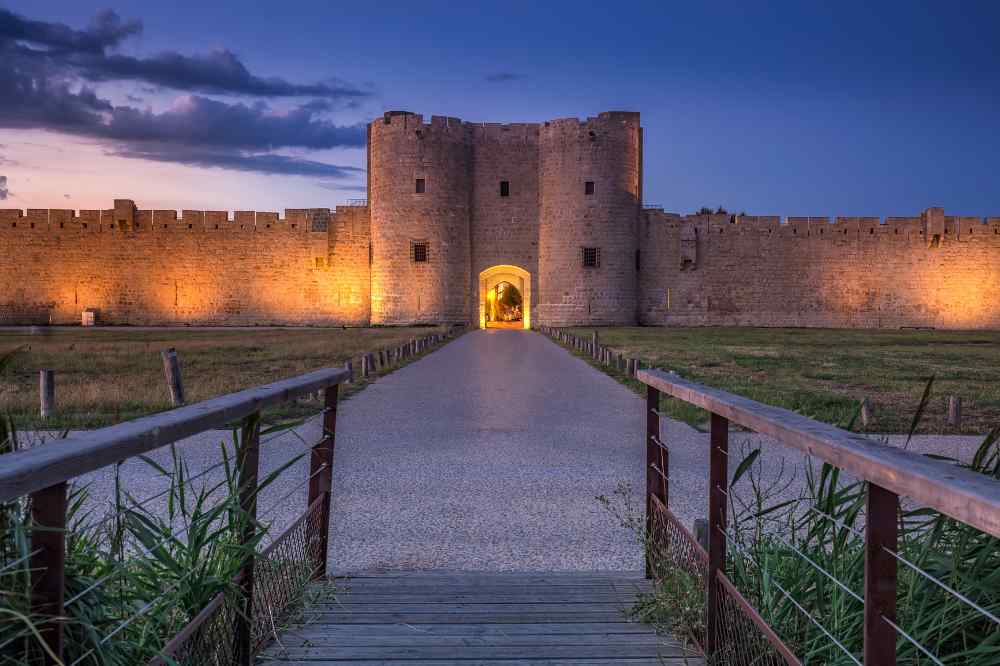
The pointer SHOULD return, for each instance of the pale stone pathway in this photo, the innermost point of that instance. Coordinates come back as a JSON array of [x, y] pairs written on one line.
[[486, 454]]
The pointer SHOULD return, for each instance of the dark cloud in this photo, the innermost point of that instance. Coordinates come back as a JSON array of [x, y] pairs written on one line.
[[86, 53], [42, 92], [216, 72], [4, 192], [200, 121], [238, 160], [502, 77], [66, 196], [105, 31], [342, 187]]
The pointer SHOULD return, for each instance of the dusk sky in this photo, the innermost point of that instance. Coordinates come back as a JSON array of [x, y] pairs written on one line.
[[797, 108]]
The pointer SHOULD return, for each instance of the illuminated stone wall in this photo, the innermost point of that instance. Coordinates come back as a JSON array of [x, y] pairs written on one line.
[[504, 228], [932, 270], [355, 265], [541, 226], [201, 267], [401, 151], [606, 151]]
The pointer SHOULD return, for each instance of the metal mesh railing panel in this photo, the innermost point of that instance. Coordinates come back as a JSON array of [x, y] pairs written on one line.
[[740, 638], [679, 562], [281, 574]]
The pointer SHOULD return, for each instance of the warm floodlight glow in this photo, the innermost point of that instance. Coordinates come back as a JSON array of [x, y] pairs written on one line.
[[493, 277]]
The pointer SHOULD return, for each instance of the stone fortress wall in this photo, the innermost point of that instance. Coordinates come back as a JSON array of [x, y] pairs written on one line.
[[354, 265], [143, 267], [931, 270]]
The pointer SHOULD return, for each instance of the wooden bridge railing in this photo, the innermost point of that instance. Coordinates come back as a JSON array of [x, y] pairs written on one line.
[[43, 474], [968, 497]]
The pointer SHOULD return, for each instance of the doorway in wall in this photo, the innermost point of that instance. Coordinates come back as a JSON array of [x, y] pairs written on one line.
[[505, 297]]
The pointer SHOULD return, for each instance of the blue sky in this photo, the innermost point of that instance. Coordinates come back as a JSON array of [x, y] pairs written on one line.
[[798, 108]]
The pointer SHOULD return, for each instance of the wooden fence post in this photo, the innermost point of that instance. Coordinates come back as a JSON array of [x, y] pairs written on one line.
[[172, 370], [320, 481], [655, 485], [248, 461], [718, 489], [595, 345], [881, 535], [48, 564], [866, 412], [364, 366], [47, 393], [955, 411], [349, 366]]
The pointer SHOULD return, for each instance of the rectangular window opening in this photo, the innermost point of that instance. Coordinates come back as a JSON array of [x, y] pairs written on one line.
[[591, 257], [588, 187], [420, 186], [505, 188], [420, 253]]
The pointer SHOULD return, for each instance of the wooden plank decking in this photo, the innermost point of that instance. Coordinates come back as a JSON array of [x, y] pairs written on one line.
[[455, 618]]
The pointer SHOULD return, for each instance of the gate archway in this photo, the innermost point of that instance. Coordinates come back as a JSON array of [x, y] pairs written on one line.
[[519, 278]]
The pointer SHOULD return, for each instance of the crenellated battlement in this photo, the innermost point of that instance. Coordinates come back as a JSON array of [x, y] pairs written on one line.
[[949, 227], [138, 221], [405, 121]]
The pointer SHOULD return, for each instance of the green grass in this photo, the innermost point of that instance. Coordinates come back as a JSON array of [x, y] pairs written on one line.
[[824, 373], [105, 376]]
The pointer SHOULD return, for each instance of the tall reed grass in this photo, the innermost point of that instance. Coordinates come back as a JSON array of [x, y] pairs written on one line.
[[801, 544], [136, 576]]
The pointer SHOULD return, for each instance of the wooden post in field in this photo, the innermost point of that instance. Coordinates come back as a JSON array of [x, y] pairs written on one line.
[[955, 411], [595, 345], [172, 370], [47, 392], [866, 412], [701, 532], [364, 366], [349, 366]]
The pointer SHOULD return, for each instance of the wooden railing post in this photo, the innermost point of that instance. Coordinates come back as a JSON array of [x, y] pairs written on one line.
[[655, 484], [248, 461], [881, 535], [718, 490], [48, 565], [320, 481]]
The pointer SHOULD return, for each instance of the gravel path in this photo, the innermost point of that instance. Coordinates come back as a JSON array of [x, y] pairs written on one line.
[[486, 454]]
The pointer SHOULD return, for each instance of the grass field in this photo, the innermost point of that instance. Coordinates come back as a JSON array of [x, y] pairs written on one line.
[[824, 373], [109, 375]]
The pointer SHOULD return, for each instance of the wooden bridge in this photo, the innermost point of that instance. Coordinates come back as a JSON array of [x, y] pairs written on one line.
[[450, 617], [466, 617]]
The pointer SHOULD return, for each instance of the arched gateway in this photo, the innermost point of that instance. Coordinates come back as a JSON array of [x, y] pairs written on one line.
[[497, 276]]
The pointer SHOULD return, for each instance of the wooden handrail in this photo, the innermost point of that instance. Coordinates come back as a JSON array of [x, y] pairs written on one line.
[[962, 494], [31, 470]]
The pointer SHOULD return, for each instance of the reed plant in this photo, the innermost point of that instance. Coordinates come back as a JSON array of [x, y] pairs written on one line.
[[135, 576], [800, 563]]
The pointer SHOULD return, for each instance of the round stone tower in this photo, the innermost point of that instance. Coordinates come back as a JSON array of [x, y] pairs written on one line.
[[590, 194], [419, 194]]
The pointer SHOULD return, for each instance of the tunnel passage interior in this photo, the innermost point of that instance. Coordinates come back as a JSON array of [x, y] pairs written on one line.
[[505, 297]]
